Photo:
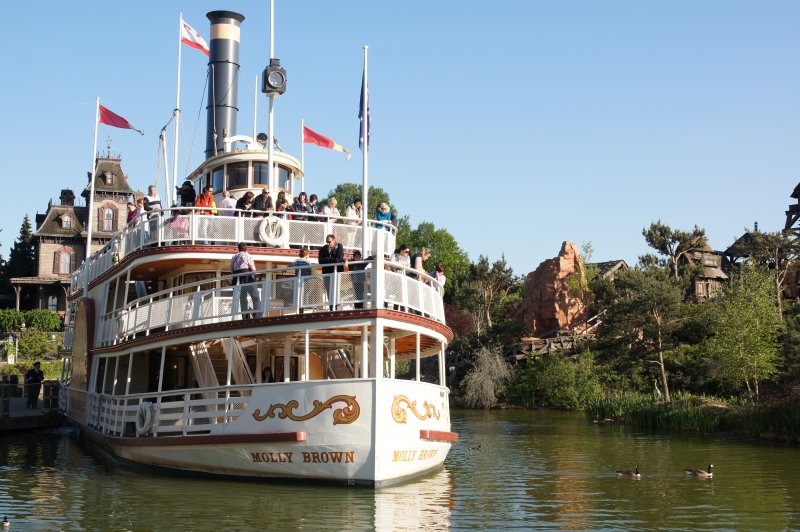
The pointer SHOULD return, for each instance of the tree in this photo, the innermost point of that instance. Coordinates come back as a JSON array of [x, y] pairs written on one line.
[[11, 320], [43, 320], [35, 344], [581, 281], [485, 380], [673, 243], [768, 250], [487, 288], [21, 260], [346, 193], [746, 326], [643, 313]]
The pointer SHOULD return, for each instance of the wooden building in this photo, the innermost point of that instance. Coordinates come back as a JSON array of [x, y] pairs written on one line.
[[60, 236]]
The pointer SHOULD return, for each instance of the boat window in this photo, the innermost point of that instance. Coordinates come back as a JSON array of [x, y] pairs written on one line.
[[101, 370], [237, 175], [218, 178], [284, 177], [121, 380], [192, 277], [260, 174]]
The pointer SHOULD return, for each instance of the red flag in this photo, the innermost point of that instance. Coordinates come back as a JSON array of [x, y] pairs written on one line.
[[190, 37], [113, 119], [312, 137]]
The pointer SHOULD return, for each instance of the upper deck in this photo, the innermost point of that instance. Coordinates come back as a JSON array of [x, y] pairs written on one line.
[[187, 225]]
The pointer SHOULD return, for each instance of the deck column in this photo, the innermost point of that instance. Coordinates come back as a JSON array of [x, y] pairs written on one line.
[[287, 358], [365, 352], [417, 335]]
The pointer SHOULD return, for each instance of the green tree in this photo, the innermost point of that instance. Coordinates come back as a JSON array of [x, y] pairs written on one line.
[[746, 329], [346, 193], [773, 251], [486, 290], [43, 320], [673, 243], [11, 320], [483, 384], [643, 314], [21, 260], [35, 344]]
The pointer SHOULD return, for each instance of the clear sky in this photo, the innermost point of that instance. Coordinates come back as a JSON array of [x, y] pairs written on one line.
[[516, 125]]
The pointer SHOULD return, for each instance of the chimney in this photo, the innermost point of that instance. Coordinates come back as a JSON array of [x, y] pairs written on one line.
[[67, 197], [223, 83]]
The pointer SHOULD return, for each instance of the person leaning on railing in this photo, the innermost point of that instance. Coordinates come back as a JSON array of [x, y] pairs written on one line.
[[242, 263]]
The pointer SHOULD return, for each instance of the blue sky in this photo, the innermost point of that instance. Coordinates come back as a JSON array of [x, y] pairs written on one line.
[[515, 125]]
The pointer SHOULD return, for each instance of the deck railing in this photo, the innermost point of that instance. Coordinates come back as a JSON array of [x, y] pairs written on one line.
[[187, 225], [279, 292]]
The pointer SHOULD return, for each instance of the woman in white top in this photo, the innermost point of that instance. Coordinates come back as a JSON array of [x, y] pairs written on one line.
[[330, 209]]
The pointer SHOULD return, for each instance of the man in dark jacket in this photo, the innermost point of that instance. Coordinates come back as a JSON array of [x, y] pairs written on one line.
[[33, 383], [331, 253]]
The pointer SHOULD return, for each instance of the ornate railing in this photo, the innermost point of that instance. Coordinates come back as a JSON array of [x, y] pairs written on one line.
[[278, 292], [190, 226]]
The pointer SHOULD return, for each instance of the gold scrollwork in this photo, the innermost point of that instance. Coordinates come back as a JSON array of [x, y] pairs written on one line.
[[345, 415], [399, 413]]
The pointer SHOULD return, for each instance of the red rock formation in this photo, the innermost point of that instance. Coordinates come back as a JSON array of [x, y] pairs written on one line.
[[547, 304]]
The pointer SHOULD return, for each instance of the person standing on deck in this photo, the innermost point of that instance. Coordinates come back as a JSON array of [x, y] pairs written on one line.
[[331, 253], [242, 263], [33, 381], [227, 205]]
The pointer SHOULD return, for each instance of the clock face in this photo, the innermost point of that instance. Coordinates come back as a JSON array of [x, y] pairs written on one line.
[[275, 78]]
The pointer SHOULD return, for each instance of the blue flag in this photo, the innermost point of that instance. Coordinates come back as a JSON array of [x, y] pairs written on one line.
[[361, 137]]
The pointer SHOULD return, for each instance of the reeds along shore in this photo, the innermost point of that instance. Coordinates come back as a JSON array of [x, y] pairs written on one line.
[[692, 413]]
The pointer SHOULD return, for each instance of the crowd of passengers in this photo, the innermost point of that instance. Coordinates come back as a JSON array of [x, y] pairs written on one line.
[[248, 204]]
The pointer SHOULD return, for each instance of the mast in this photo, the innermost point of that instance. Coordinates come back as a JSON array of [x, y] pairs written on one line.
[[90, 203], [365, 157], [177, 114]]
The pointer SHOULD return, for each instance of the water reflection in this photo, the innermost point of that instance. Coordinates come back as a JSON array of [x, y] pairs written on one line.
[[513, 470]]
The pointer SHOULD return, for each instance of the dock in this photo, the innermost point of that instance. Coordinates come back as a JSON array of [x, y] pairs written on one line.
[[16, 417]]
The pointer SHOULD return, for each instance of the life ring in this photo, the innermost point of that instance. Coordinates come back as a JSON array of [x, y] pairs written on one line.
[[272, 230], [144, 418]]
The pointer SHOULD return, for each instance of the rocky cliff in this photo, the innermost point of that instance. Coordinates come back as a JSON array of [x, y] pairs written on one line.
[[547, 303]]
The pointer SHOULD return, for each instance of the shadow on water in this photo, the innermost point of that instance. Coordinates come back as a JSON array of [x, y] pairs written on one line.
[[512, 469]]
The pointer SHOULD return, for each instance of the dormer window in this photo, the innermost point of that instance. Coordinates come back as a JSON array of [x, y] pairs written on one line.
[[108, 178], [66, 221]]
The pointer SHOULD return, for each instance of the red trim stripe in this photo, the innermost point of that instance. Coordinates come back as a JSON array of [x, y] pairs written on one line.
[[438, 435]]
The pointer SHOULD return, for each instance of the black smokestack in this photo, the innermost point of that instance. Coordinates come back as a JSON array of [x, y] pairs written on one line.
[[223, 80]]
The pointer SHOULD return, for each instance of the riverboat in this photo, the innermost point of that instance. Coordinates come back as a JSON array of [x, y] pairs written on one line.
[[166, 366]]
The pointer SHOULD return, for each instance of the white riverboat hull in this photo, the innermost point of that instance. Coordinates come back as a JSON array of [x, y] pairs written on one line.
[[357, 432]]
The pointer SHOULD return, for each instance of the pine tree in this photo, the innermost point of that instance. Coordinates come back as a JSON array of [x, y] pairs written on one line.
[[21, 260]]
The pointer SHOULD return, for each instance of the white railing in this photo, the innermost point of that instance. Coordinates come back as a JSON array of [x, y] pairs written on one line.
[[174, 413], [280, 292], [187, 225]]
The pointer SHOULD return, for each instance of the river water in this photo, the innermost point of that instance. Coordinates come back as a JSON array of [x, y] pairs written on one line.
[[510, 470]]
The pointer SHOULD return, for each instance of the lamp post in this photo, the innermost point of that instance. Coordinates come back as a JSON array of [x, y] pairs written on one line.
[[17, 335]]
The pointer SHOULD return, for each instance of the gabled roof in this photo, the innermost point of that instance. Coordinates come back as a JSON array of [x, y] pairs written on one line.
[[610, 267], [50, 224], [119, 184]]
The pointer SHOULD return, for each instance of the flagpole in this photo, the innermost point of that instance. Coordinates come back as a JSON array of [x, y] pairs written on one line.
[[302, 154], [271, 148], [177, 114], [365, 160], [255, 108], [90, 204]]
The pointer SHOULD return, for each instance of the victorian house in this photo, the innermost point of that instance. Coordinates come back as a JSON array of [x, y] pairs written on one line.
[[60, 236]]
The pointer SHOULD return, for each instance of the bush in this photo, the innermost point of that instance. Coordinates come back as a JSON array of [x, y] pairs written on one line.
[[557, 382], [484, 382], [43, 320], [51, 369]]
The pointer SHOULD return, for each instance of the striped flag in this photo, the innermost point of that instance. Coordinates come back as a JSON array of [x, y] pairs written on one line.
[[113, 119], [190, 37], [312, 137]]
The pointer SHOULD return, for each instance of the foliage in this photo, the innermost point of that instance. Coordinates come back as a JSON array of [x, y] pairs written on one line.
[[673, 243], [686, 413], [484, 382], [21, 260], [11, 320], [746, 329], [557, 382], [43, 320], [50, 368], [36, 344], [581, 281], [346, 193], [486, 291], [642, 316]]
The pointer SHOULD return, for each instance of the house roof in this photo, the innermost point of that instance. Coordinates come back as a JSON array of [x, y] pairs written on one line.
[[610, 267], [119, 184], [49, 224]]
